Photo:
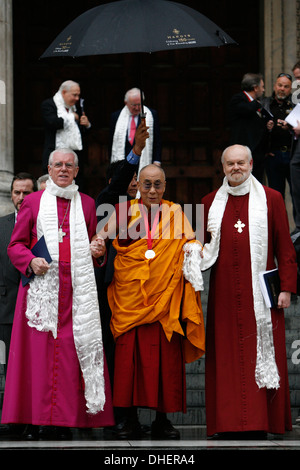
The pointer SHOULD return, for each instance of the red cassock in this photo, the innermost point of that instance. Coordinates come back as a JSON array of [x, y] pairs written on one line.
[[44, 384], [234, 402]]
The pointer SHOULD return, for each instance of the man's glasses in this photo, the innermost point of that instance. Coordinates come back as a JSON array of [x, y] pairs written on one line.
[[147, 185], [135, 105], [287, 75], [59, 165]]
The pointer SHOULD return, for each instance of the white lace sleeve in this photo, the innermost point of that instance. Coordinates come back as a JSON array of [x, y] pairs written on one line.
[[191, 265]]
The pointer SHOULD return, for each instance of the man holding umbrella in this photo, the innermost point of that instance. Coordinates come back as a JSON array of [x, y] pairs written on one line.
[[124, 123]]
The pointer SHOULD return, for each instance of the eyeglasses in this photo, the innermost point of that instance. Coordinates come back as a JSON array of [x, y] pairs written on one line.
[[135, 105], [287, 75], [147, 185], [59, 165]]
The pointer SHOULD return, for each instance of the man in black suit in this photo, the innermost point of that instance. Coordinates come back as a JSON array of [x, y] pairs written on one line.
[[122, 130], [249, 122], [281, 140], [65, 124], [22, 184]]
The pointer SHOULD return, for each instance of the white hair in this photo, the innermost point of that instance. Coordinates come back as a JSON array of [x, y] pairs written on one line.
[[67, 85], [133, 92], [63, 151]]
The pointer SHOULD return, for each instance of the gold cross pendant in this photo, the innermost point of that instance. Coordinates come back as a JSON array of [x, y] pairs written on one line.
[[239, 225]]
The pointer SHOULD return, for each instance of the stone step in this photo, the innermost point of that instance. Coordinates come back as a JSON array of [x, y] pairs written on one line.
[[195, 375]]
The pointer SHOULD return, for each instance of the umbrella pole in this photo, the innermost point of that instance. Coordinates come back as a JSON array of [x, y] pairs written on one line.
[[142, 114]]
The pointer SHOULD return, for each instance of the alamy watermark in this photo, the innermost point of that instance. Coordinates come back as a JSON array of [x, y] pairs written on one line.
[[2, 352], [296, 92], [2, 92], [190, 216], [296, 354]]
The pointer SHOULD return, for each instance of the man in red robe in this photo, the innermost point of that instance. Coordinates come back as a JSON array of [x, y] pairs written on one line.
[[246, 368], [57, 376]]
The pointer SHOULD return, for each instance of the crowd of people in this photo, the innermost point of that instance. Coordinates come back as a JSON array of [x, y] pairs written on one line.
[[101, 299]]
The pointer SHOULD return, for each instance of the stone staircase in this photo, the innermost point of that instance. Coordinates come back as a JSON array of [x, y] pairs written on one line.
[[195, 373], [292, 325]]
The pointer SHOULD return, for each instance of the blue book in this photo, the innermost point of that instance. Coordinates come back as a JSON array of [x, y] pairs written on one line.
[[270, 287], [39, 250]]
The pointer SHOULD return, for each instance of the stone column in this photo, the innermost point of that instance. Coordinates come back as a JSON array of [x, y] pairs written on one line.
[[281, 39], [281, 52], [6, 106]]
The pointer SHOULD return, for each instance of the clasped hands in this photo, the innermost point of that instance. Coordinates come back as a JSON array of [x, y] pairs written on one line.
[[98, 247]]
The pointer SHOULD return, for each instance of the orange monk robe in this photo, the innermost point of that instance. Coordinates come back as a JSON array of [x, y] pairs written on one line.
[[146, 291]]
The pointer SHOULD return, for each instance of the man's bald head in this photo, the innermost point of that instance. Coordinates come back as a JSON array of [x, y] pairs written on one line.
[[150, 167], [237, 164], [152, 184]]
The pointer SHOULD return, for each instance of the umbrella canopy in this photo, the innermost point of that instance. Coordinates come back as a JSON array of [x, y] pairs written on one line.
[[136, 26]]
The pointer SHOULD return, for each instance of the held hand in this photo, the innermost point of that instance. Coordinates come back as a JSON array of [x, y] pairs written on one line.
[[98, 247], [140, 138], [39, 266], [282, 124], [284, 300], [84, 120], [188, 247]]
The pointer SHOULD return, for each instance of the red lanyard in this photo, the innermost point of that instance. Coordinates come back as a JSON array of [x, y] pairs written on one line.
[[150, 233]]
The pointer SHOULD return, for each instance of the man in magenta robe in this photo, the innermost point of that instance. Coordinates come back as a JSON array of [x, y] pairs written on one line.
[[247, 232], [57, 375]]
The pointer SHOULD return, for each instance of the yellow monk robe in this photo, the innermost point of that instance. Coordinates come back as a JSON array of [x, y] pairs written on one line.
[[146, 291]]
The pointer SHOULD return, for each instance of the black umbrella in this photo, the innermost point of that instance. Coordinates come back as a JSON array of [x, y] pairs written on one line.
[[136, 26]]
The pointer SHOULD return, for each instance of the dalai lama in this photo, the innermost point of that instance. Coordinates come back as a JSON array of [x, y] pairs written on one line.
[[157, 319], [247, 232]]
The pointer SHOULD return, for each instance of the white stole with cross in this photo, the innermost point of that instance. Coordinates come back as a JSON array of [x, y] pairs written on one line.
[[266, 372]]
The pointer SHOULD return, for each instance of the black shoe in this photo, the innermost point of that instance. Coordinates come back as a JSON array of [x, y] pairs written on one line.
[[12, 430], [243, 435], [31, 432], [130, 430], [164, 430], [54, 433], [63, 433]]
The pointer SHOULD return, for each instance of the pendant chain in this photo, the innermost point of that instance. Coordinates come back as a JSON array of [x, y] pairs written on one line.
[[60, 225]]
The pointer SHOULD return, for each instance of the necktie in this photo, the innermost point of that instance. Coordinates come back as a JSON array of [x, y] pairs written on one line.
[[132, 130]]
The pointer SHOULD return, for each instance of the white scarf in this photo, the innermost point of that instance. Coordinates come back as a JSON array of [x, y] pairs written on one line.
[[42, 296], [118, 147], [69, 136], [266, 372]]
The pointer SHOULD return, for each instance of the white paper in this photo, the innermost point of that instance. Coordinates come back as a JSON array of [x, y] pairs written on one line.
[[294, 116]]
